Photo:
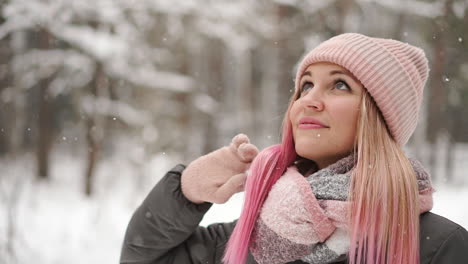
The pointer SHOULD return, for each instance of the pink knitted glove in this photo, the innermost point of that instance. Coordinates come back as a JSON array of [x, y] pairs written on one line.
[[215, 177]]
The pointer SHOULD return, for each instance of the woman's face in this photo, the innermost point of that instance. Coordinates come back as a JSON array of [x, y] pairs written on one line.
[[331, 95]]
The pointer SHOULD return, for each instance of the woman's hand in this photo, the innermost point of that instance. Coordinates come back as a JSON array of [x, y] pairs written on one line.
[[217, 176]]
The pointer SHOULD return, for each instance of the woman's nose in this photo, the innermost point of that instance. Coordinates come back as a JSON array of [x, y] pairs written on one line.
[[314, 100]]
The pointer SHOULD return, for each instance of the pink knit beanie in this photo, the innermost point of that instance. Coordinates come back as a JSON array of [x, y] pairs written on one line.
[[394, 73]]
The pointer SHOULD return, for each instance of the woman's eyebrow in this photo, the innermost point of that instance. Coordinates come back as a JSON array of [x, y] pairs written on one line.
[[344, 73], [307, 73], [334, 72], [338, 72]]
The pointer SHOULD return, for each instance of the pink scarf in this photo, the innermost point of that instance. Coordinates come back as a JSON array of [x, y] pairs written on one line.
[[306, 218]]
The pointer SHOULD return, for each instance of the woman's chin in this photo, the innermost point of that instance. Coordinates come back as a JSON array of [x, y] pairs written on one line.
[[307, 153]]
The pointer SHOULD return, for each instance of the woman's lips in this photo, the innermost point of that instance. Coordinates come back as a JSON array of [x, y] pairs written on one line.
[[310, 126], [308, 122]]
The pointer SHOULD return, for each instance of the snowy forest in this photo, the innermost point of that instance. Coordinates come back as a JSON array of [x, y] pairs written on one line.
[[99, 98]]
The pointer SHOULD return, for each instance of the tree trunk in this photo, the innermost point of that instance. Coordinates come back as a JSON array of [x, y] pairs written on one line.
[[94, 128], [45, 125], [18, 113], [342, 10], [437, 92], [268, 111], [191, 67], [449, 159], [211, 79], [45, 131], [244, 95], [437, 100], [6, 105]]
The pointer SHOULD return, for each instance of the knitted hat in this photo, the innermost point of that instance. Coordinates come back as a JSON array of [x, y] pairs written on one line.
[[394, 73]]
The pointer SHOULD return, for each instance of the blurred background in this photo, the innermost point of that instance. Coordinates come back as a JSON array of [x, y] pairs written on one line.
[[99, 98]]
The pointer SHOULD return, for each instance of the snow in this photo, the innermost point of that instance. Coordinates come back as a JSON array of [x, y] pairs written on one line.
[[54, 222], [124, 112], [459, 7], [450, 202], [121, 60], [75, 69], [206, 103], [118, 42]]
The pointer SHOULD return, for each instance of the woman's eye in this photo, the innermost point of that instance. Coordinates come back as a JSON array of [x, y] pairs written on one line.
[[306, 86], [341, 85], [338, 85]]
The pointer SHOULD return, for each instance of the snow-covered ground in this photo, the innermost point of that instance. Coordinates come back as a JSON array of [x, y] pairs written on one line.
[[54, 222]]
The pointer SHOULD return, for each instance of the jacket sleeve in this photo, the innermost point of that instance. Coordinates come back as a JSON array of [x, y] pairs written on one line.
[[164, 229], [454, 249]]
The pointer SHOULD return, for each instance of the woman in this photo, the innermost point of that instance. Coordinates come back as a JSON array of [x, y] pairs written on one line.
[[338, 189]]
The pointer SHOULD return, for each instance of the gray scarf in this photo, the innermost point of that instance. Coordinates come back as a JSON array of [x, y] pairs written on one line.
[[306, 217]]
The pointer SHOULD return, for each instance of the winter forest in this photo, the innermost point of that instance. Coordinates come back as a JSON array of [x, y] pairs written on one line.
[[99, 98]]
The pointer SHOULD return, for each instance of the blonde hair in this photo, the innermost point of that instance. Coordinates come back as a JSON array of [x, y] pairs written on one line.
[[384, 214], [384, 209]]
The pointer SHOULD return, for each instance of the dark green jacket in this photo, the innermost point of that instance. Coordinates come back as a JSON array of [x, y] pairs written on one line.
[[164, 229]]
